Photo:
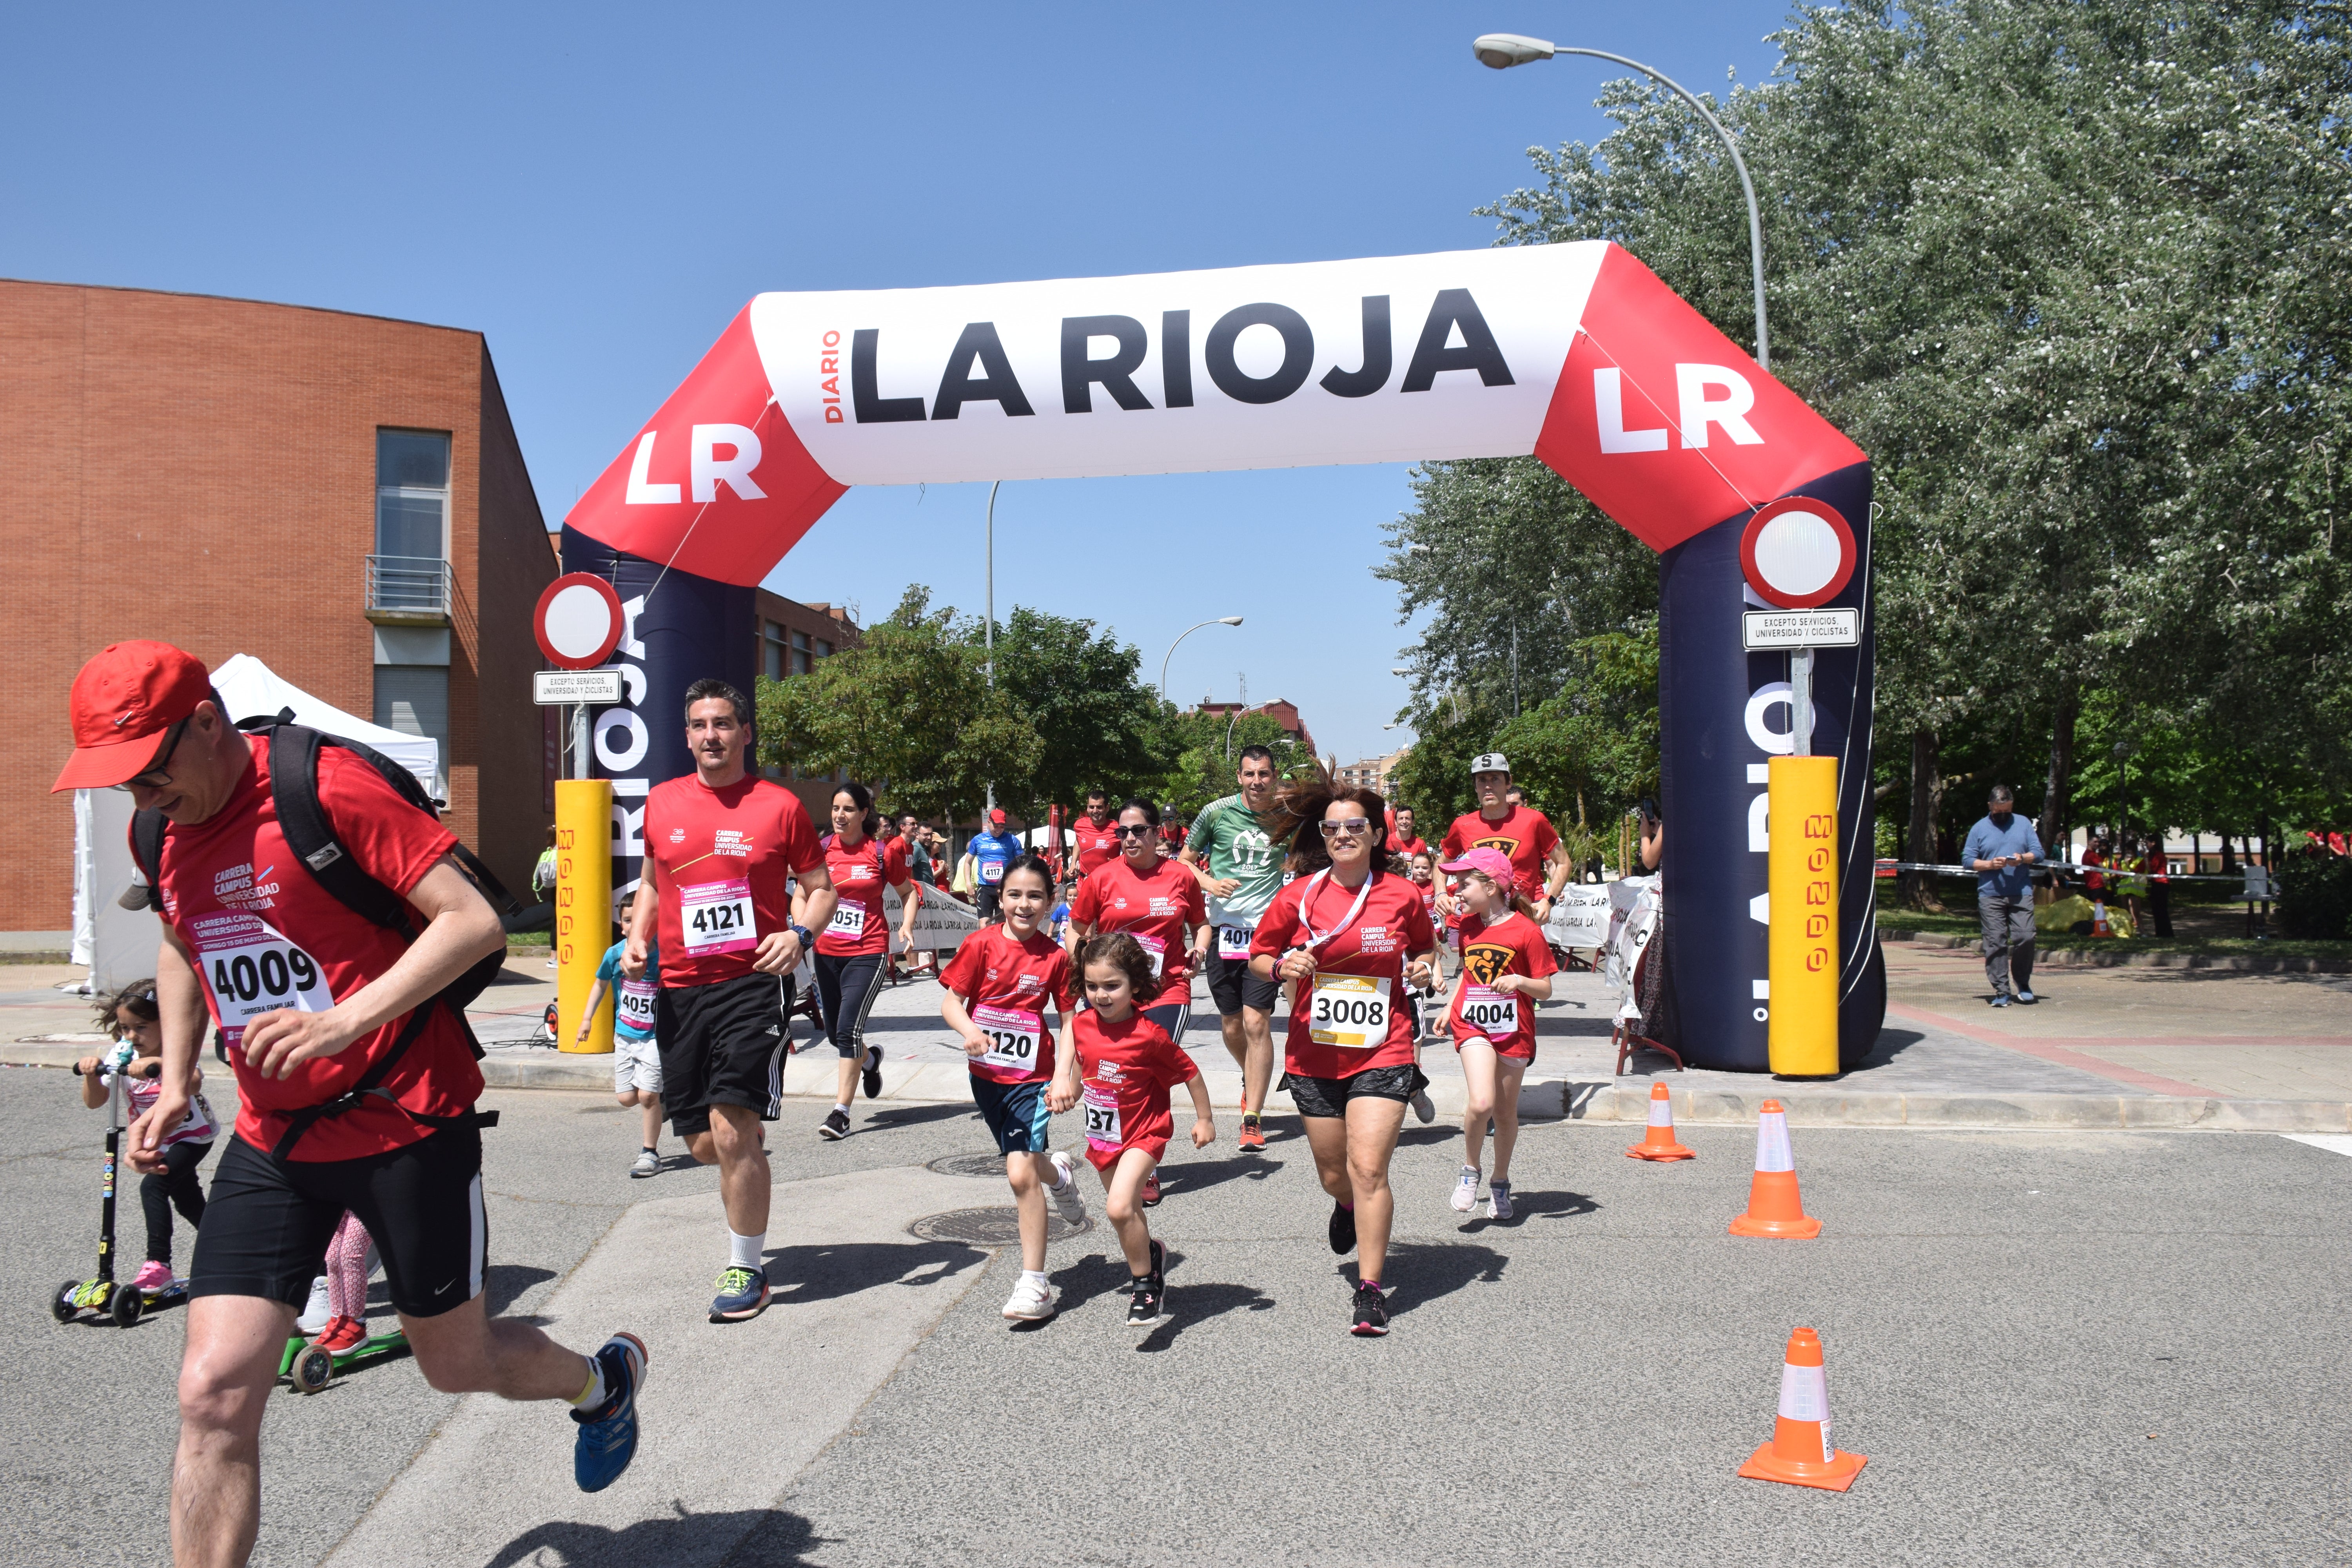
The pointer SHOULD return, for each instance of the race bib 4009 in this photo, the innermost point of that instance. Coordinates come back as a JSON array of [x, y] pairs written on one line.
[[252, 968]]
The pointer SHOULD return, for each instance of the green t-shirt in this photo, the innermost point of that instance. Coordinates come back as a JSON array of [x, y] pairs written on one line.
[[1233, 840]]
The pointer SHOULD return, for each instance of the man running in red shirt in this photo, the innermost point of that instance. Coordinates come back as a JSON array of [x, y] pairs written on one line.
[[1405, 841], [1096, 834], [720, 846], [1539, 859], [355, 1084]]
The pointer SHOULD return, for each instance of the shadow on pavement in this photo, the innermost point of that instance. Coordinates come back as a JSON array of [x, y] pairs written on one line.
[[1892, 1043], [1417, 1137], [1419, 1272], [502, 1283], [1526, 1206], [1100, 1274], [912, 1115], [1189, 1305], [1199, 1176], [823, 1271], [762, 1538]]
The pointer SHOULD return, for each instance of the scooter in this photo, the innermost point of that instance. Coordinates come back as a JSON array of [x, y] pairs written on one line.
[[100, 1295], [310, 1368]]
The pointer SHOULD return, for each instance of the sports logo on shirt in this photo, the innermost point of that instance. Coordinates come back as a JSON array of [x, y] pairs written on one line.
[[1509, 846], [1487, 961]]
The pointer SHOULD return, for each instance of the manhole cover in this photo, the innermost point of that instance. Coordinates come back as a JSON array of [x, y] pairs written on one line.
[[969, 1165], [990, 1227]]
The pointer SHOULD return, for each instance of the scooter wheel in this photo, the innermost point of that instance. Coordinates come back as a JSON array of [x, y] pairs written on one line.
[[125, 1306], [61, 1302], [313, 1369]]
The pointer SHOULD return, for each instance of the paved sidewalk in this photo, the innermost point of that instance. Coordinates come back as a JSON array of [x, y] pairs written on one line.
[[2126, 1046]]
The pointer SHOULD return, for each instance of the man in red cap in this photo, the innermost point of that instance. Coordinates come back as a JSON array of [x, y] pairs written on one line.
[[992, 852], [313, 998]]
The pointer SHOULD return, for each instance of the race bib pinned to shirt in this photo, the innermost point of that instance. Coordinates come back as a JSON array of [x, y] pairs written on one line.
[[1013, 1036], [634, 1010], [1100, 1108], [1492, 1012], [1154, 948], [718, 917], [848, 920], [1233, 942], [1350, 1011], [991, 871], [253, 968]]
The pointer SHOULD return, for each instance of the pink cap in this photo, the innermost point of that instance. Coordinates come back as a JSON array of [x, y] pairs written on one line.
[[1492, 863]]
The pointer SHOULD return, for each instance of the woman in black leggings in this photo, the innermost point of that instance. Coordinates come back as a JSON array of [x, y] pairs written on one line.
[[853, 952]]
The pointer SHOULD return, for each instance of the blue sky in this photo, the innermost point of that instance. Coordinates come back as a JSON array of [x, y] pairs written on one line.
[[600, 188]]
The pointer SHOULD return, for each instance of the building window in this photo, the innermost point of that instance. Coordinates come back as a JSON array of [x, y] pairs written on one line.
[[824, 648], [773, 649], [800, 653], [412, 519], [413, 699]]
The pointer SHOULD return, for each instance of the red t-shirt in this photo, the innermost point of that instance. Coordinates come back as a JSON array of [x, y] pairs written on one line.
[[1393, 924], [1097, 842], [1004, 984], [1512, 945], [1408, 847], [265, 936], [859, 875], [1161, 910], [1125, 1072], [724, 856], [1525, 835]]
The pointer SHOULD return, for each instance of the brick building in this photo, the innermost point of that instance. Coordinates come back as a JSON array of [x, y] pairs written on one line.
[[793, 637], [1284, 713], [342, 497], [1372, 772]]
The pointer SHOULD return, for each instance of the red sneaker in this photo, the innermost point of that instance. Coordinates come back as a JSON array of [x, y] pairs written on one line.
[[1152, 1190], [1252, 1135], [340, 1334]]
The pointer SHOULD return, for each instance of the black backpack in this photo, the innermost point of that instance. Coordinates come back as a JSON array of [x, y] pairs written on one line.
[[311, 833]]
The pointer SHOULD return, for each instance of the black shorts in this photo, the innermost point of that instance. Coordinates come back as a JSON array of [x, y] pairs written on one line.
[[1329, 1096], [985, 900], [1235, 986], [1174, 1017], [723, 1044], [268, 1222], [846, 985]]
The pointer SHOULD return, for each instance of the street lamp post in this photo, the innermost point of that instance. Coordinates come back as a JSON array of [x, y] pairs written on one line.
[[1188, 631], [988, 626], [1504, 50]]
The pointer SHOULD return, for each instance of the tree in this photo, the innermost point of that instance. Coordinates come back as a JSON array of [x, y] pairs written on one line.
[[1098, 726], [1202, 749], [908, 713]]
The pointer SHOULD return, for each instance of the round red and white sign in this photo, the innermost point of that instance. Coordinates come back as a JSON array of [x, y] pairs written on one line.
[[1797, 553], [578, 621]]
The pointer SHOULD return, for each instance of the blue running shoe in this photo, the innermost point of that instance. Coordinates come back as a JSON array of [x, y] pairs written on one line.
[[743, 1294], [608, 1439]]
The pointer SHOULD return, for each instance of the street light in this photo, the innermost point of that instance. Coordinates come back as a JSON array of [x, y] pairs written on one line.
[[1188, 631], [1504, 50]]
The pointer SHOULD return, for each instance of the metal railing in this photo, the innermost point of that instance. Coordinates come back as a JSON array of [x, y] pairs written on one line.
[[416, 584]]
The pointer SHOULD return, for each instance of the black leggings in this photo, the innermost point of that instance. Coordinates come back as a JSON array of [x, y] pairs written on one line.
[[846, 985], [178, 1188]]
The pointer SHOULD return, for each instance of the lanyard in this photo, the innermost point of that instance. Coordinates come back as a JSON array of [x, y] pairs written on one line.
[[1306, 903]]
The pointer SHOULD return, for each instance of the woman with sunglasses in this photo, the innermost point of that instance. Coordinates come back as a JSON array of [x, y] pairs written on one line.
[[1353, 937]]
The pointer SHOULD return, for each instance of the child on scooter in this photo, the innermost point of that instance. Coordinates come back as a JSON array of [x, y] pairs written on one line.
[[131, 1014]]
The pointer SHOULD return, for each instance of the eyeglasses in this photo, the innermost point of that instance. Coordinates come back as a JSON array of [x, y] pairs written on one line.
[[1140, 830], [157, 777], [1354, 826]]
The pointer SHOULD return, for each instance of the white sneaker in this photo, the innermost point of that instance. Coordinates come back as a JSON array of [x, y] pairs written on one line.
[[645, 1164], [1466, 1191], [1067, 1198], [1032, 1301], [1498, 1200], [314, 1316]]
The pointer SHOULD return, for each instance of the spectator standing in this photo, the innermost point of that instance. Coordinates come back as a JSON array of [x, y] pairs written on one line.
[[2160, 891], [992, 851], [2000, 849]]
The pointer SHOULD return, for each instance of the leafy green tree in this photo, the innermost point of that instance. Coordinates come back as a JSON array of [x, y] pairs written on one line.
[[1098, 725], [1202, 748]]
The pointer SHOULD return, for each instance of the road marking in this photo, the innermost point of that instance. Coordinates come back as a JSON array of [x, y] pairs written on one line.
[[2333, 1142]]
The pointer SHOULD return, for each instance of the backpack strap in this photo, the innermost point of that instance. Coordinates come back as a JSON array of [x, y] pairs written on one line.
[[147, 828], [310, 833], [371, 1084]]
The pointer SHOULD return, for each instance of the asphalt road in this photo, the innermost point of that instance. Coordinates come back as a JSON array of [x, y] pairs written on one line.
[[2055, 1348]]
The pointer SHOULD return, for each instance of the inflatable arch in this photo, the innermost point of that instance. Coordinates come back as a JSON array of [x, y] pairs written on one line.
[[1574, 352]]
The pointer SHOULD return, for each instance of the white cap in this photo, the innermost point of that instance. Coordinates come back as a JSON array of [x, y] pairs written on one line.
[[1490, 762]]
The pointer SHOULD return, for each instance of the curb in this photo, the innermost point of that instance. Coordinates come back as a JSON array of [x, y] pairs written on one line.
[[2080, 958], [1625, 1101]]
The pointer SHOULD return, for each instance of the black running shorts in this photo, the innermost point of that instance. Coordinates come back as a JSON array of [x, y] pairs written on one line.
[[1235, 987], [723, 1044], [1329, 1096], [268, 1222]]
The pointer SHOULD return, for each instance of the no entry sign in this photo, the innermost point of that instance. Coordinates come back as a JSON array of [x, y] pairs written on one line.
[[578, 621], [1797, 553]]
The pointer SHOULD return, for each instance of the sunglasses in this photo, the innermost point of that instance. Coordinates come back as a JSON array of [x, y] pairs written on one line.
[[157, 777], [1141, 830], [1354, 826]]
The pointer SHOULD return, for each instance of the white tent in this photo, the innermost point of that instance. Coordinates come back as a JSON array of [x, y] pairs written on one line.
[[254, 690]]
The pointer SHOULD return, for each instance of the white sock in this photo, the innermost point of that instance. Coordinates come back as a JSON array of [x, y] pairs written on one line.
[[1036, 1276], [841, 1106], [743, 1251], [596, 1393], [1062, 1181]]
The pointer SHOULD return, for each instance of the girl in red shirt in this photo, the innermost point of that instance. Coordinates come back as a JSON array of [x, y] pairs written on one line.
[[853, 950], [1351, 937], [1507, 969], [1120, 1064], [997, 990]]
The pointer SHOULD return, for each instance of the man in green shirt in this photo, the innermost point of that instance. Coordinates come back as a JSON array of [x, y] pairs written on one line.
[[1231, 850]]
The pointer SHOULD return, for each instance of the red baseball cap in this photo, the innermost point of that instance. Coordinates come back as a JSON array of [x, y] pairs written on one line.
[[996, 817], [124, 702]]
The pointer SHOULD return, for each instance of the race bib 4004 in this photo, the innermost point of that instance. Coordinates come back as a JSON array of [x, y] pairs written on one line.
[[1490, 1012], [1350, 1011], [253, 968], [717, 916]]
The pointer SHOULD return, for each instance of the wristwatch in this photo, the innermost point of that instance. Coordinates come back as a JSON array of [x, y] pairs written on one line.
[[808, 943]]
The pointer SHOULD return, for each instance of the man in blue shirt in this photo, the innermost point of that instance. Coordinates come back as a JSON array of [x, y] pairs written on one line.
[[2000, 849], [992, 852]]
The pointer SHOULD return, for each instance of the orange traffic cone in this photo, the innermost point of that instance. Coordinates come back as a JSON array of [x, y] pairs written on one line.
[[1658, 1143], [2099, 926], [1800, 1452], [1774, 1207]]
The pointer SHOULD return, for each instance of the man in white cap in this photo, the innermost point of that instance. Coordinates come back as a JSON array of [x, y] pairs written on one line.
[[1539, 859]]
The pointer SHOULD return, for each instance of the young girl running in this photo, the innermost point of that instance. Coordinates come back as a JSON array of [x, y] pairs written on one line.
[[1507, 969], [131, 1014], [997, 988], [1122, 1065]]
